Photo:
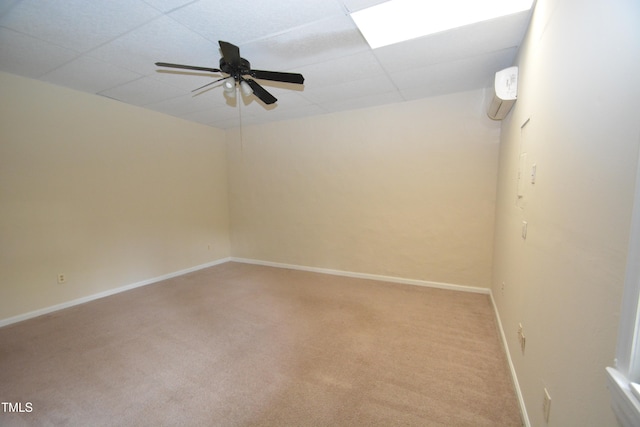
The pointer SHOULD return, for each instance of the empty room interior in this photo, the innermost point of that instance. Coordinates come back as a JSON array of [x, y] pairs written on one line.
[[371, 248]]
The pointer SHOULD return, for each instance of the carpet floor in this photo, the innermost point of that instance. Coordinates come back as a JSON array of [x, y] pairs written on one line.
[[246, 345]]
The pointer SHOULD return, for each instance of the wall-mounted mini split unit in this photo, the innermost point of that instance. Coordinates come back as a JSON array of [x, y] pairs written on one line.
[[503, 94]]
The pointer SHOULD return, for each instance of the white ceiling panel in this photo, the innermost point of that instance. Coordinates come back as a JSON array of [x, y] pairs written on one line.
[[162, 40], [6, 6], [340, 70], [143, 91], [448, 77], [239, 22], [184, 105], [187, 81], [110, 48], [89, 75], [287, 101], [355, 5], [320, 41], [351, 89], [167, 5], [28, 56], [77, 24]]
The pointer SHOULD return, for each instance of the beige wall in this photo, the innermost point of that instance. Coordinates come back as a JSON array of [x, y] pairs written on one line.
[[106, 193], [404, 190], [579, 86]]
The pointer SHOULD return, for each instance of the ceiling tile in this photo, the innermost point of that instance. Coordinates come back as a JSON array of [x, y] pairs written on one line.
[[6, 6], [89, 75], [324, 40], [187, 81], [30, 57], [161, 40], [238, 23], [167, 5], [291, 100], [351, 89], [143, 91], [340, 70], [77, 24], [355, 5], [187, 104], [456, 76]]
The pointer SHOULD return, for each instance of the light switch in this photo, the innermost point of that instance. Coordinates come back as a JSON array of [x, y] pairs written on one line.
[[522, 175]]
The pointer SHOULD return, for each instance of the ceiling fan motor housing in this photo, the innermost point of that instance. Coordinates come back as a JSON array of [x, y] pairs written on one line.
[[244, 67]]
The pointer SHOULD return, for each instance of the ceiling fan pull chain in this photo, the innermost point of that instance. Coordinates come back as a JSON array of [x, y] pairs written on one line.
[[240, 119]]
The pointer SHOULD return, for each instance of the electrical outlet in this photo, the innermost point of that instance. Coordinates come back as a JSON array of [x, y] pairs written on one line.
[[524, 229], [546, 405], [502, 288], [62, 278]]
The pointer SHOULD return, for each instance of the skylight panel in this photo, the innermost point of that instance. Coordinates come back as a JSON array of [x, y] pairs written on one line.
[[398, 20]]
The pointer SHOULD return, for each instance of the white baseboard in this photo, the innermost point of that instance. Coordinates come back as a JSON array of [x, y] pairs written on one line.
[[51, 309], [514, 376], [392, 279]]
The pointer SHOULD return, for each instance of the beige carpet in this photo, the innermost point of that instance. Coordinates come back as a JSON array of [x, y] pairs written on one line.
[[246, 345]]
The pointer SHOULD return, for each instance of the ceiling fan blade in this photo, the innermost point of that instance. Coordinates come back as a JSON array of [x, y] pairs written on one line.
[[230, 53], [187, 67], [261, 92], [277, 76]]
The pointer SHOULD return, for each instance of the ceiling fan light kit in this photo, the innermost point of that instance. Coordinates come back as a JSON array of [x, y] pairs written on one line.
[[237, 69], [229, 85], [246, 89]]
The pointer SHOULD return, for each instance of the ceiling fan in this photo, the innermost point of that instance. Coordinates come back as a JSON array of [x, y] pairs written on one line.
[[237, 68]]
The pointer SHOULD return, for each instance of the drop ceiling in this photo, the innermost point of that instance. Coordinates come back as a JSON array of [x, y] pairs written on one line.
[[109, 48]]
